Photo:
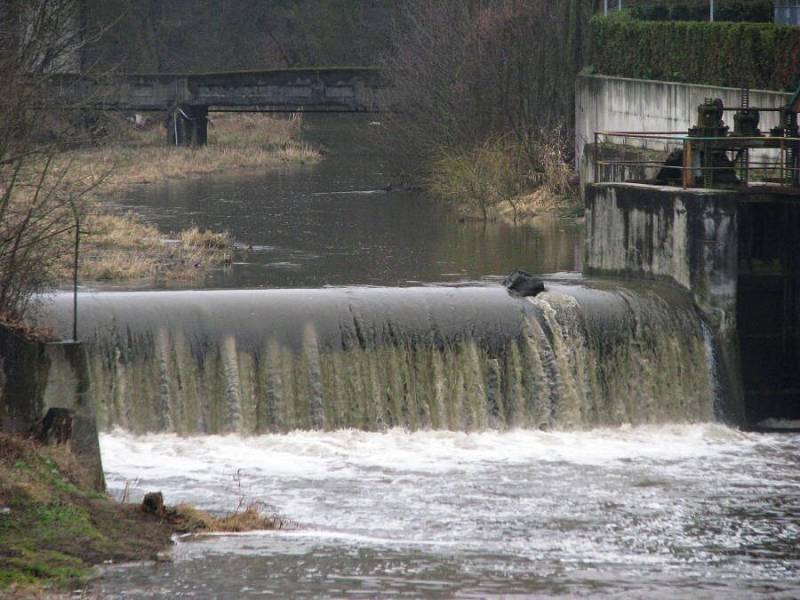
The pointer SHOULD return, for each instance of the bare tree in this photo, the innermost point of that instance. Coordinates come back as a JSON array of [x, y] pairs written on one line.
[[467, 70], [39, 203]]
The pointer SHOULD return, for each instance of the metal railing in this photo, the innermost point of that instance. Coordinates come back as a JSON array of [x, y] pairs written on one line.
[[708, 162], [609, 6]]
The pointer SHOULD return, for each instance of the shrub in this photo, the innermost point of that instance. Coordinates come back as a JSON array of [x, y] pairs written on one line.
[[751, 11], [501, 170], [754, 55]]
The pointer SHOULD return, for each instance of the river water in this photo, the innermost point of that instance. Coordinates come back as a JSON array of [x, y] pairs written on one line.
[[335, 223], [697, 511], [694, 510]]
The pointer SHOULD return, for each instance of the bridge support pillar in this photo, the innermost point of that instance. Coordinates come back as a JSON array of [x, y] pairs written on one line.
[[188, 126]]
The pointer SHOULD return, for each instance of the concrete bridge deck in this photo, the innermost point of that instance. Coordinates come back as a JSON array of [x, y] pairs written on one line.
[[188, 98]]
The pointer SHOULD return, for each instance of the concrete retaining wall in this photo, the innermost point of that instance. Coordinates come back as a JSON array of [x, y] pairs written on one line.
[[618, 104], [37, 376], [685, 237]]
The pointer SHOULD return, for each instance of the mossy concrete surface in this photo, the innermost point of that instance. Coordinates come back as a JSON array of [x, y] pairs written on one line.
[[38, 375]]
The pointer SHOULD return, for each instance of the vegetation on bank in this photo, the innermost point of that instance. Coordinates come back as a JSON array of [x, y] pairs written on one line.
[[120, 246], [54, 526], [124, 248], [501, 180], [486, 91], [127, 154], [753, 55]]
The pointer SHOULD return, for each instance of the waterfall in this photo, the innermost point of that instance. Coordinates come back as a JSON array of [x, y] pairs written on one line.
[[458, 358]]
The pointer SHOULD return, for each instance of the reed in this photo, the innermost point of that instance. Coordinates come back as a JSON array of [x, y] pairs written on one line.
[[123, 247]]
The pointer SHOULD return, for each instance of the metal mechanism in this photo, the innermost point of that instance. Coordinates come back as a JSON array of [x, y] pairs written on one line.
[[709, 155]]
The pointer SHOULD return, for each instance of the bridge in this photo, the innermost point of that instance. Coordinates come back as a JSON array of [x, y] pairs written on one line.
[[187, 99]]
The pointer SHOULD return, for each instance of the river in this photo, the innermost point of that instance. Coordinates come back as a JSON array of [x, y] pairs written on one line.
[[653, 512], [336, 224], [588, 507]]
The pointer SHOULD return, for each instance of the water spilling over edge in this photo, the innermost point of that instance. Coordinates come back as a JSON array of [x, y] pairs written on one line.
[[464, 359]]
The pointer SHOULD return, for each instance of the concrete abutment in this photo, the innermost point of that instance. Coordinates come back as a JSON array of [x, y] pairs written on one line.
[[41, 379], [735, 253], [188, 126]]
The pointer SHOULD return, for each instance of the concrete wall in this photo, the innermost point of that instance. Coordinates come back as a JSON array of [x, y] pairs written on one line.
[[685, 237], [37, 376], [737, 253], [618, 104], [688, 237]]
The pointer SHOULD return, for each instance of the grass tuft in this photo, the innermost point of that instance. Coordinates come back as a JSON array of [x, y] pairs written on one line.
[[123, 247]]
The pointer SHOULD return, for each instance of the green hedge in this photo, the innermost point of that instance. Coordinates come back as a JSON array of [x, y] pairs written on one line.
[[752, 11], [754, 55]]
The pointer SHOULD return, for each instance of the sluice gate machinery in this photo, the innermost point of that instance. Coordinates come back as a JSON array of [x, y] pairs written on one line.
[[710, 154]]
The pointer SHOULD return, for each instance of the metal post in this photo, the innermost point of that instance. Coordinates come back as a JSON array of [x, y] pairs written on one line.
[[687, 164], [619, 5], [711, 12], [605, 8], [75, 278], [595, 154], [783, 163]]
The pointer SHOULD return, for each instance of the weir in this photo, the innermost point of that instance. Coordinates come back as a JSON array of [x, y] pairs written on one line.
[[458, 358]]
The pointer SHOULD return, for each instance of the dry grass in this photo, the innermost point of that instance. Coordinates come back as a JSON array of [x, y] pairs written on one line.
[[236, 142], [123, 247], [541, 202], [28, 331], [187, 519]]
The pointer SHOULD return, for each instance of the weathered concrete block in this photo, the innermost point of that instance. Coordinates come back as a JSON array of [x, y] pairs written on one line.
[[36, 377], [686, 236]]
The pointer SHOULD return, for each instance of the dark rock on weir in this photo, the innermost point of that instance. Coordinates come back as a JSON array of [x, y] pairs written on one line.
[[521, 283]]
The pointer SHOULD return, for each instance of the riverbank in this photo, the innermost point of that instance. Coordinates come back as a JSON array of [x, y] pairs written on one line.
[[501, 179], [55, 526], [540, 203], [525, 210], [138, 154], [121, 246]]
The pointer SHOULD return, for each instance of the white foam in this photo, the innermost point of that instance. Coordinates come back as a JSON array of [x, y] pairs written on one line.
[[652, 498]]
